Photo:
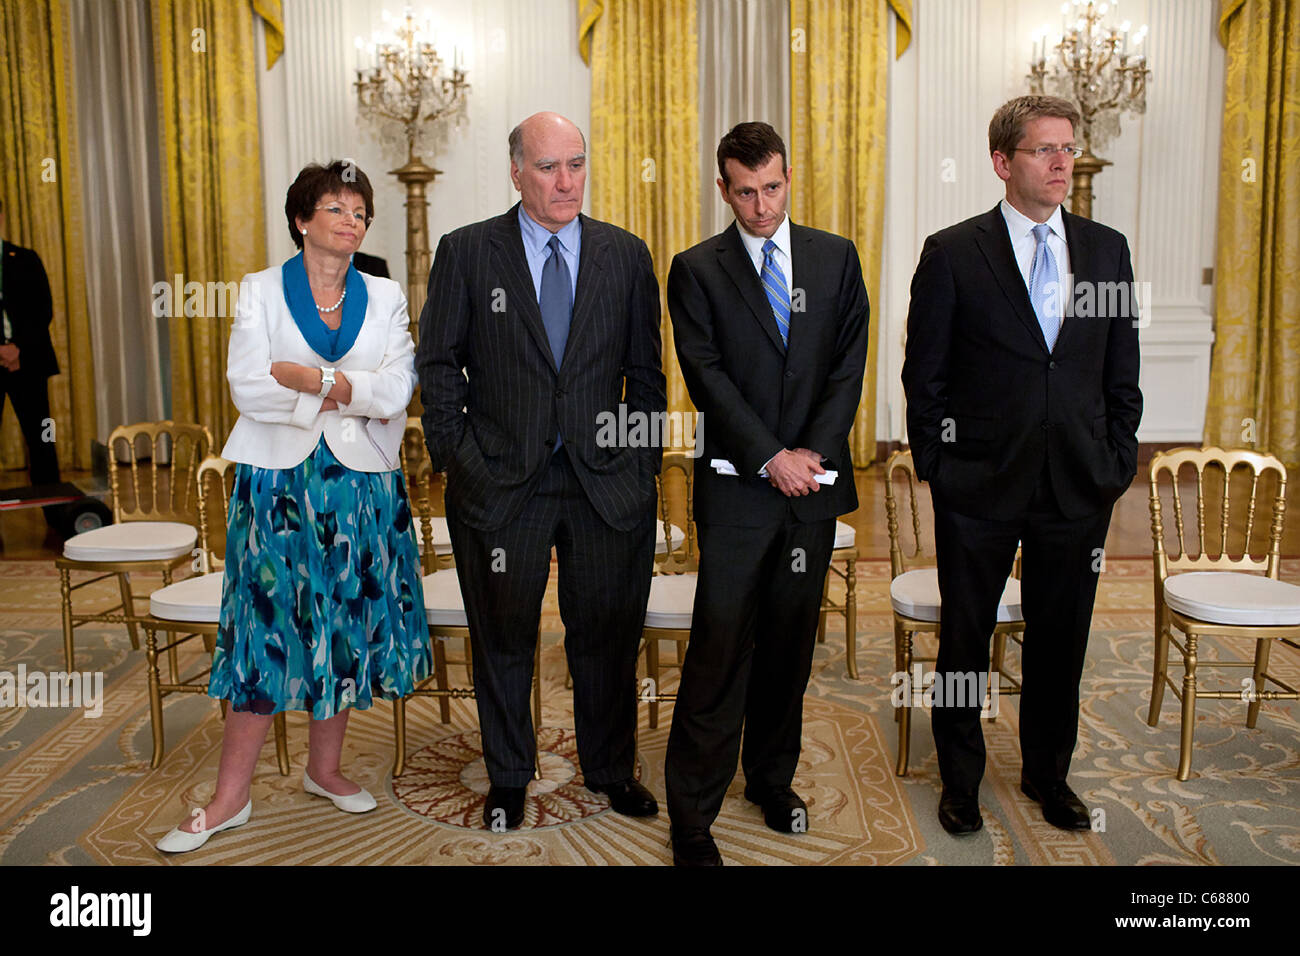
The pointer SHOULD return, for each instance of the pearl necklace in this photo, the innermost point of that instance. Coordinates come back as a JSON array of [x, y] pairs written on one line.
[[321, 308]]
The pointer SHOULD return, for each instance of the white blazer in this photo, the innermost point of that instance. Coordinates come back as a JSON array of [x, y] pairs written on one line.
[[279, 427]]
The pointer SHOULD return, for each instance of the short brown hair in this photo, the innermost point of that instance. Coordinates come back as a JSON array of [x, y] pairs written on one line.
[[1007, 128], [315, 180], [750, 144]]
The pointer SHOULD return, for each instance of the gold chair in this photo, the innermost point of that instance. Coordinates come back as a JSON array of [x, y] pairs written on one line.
[[672, 588], [845, 554], [445, 609], [1212, 593], [192, 608], [914, 597], [154, 525]]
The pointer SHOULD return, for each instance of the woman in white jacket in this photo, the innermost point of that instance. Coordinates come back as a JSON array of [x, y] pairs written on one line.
[[322, 608]]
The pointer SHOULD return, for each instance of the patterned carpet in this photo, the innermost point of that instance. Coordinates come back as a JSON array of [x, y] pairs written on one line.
[[76, 789]]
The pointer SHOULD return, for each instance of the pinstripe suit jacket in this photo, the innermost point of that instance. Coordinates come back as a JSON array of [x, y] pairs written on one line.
[[493, 395]]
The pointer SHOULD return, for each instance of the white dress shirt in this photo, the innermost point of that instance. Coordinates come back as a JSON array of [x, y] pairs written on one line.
[[754, 246], [279, 427], [1020, 229]]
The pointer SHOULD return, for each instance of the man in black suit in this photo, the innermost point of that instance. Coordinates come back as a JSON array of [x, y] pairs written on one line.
[[1022, 411], [26, 353], [770, 324], [554, 319]]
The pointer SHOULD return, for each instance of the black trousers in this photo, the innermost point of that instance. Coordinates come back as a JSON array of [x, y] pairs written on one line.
[[1060, 562], [604, 582], [31, 400], [753, 629]]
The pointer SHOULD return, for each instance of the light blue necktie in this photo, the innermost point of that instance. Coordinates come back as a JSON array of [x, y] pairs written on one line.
[[556, 304], [1043, 289], [777, 293]]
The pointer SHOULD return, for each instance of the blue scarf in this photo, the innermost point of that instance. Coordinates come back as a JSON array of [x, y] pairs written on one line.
[[329, 344]]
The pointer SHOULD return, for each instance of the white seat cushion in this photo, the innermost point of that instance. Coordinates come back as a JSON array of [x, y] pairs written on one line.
[[672, 598], [661, 541], [132, 541], [1233, 597], [915, 594], [196, 599], [845, 535], [443, 604], [441, 536]]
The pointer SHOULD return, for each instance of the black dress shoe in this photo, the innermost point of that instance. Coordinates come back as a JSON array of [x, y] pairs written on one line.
[[783, 809], [1062, 808], [959, 812], [627, 797], [504, 808], [694, 846]]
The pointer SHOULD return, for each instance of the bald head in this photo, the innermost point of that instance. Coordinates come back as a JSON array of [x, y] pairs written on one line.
[[548, 165]]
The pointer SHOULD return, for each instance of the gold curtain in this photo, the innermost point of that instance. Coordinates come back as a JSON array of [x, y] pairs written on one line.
[[1255, 372], [838, 101], [644, 138], [212, 189], [42, 204]]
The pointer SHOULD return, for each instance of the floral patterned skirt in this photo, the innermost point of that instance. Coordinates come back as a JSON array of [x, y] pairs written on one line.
[[321, 606]]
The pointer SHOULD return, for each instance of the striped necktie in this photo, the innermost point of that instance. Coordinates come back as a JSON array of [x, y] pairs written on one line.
[[777, 293]]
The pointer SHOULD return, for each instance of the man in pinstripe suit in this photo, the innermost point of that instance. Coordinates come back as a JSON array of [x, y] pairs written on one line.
[[538, 323]]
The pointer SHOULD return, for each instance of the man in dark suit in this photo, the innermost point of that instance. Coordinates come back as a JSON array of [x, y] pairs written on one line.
[[27, 355], [770, 324], [1022, 411], [554, 319]]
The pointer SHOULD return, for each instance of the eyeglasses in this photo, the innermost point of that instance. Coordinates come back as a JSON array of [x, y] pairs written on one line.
[[1045, 152], [338, 212]]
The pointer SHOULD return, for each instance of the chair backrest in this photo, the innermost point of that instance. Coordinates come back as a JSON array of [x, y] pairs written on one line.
[[413, 448], [424, 493], [215, 480], [904, 550], [677, 502], [164, 488], [1227, 489]]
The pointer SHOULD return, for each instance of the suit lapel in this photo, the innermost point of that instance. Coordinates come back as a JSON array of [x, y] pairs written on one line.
[[736, 263], [995, 244], [521, 296], [591, 256], [1080, 249]]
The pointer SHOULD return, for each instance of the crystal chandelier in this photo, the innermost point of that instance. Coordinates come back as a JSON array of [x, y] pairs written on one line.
[[1101, 69]]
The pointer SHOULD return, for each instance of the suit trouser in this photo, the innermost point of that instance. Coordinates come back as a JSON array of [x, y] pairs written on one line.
[[31, 400], [604, 582], [1060, 562], [747, 665]]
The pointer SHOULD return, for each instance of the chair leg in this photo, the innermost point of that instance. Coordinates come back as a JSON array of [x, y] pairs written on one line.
[[440, 678], [821, 615], [652, 674], [399, 736], [1161, 667], [65, 591], [128, 611], [155, 696], [851, 618], [905, 711], [995, 662], [1189, 709], [282, 744], [537, 709], [1261, 668]]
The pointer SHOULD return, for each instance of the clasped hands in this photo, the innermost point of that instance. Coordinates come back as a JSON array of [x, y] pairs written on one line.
[[9, 356], [307, 378], [794, 472]]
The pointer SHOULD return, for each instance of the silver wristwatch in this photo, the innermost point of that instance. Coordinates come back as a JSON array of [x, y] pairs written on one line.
[[326, 380]]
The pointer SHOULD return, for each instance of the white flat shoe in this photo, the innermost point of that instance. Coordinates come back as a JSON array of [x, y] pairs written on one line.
[[358, 802], [181, 841]]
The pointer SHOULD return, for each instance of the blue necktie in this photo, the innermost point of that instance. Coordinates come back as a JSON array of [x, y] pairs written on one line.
[[556, 303], [777, 293], [1043, 290]]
